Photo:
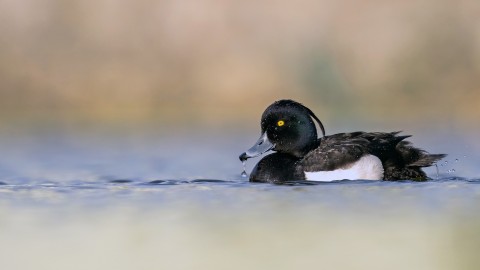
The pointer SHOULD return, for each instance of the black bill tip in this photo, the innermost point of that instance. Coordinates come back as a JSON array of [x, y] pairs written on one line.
[[243, 157]]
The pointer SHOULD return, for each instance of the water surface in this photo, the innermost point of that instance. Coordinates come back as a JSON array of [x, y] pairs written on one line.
[[179, 202]]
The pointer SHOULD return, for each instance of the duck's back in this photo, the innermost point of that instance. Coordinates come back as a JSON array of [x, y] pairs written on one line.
[[365, 155]]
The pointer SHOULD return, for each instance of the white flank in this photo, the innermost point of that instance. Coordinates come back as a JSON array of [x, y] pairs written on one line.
[[368, 167]]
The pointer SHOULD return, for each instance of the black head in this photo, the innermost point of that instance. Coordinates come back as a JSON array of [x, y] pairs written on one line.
[[287, 127]]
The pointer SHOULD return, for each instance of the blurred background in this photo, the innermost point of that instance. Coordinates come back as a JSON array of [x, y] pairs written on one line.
[[208, 63], [99, 98]]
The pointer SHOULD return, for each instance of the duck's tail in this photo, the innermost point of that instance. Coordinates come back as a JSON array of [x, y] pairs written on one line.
[[409, 162], [415, 157]]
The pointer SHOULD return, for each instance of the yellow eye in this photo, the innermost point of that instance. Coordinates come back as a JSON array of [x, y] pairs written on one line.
[[280, 123]]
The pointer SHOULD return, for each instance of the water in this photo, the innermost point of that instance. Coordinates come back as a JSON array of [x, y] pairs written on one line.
[[244, 171], [155, 201]]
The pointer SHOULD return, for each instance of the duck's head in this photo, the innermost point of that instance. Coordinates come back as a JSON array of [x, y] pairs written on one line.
[[287, 127]]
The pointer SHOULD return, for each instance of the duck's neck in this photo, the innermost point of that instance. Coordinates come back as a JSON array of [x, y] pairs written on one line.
[[300, 153]]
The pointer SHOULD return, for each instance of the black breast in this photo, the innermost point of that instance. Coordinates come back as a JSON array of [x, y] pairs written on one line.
[[275, 168]]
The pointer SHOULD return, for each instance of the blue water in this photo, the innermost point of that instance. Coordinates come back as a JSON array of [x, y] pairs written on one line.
[[90, 201], [104, 166]]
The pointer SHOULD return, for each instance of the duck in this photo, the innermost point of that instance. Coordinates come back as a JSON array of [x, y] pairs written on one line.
[[298, 154]]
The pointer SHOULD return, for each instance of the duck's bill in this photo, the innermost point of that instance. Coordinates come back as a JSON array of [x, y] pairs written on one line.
[[261, 146]]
